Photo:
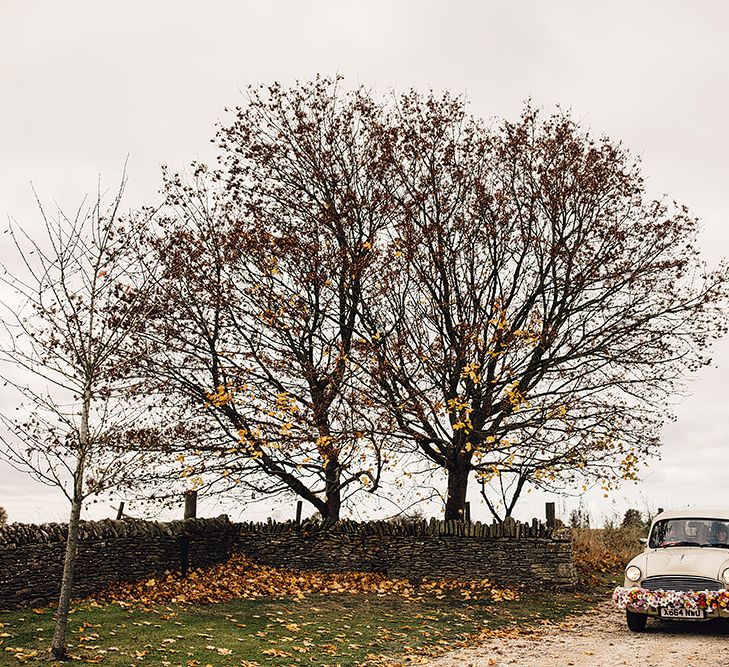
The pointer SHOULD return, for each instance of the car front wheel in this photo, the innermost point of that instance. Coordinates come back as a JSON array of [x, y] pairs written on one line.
[[636, 622]]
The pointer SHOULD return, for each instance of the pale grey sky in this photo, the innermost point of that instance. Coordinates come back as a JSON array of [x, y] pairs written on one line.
[[84, 84]]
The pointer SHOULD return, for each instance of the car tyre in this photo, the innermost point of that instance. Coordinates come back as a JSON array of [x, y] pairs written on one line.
[[636, 622]]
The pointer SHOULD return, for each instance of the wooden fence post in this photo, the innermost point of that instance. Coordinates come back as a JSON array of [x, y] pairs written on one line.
[[299, 505], [190, 504], [120, 511], [551, 518]]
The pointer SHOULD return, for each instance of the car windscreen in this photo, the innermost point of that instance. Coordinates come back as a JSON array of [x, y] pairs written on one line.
[[690, 533]]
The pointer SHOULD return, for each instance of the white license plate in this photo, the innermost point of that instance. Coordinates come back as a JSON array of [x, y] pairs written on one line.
[[690, 614]]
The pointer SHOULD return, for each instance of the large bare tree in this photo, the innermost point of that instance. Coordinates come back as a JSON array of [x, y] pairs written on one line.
[[536, 313], [265, 266], [72, 309]]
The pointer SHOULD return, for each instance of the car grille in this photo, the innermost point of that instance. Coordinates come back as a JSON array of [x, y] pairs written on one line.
[[681, 583]]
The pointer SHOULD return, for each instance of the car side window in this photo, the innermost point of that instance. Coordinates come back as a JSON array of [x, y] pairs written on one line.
[[719, 533]]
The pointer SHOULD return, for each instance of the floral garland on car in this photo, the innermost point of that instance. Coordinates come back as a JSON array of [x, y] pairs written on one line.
[[640, 598]]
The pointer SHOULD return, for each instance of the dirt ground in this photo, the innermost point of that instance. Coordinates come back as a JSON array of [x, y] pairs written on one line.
[[601, 637]]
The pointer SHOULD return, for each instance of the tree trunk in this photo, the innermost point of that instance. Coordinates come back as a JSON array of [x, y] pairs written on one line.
[[328, 452], [58, 647], [333, 493], [457, 486]]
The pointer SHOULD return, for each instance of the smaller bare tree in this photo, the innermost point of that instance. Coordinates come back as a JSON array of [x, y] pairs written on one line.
[[69, 325]]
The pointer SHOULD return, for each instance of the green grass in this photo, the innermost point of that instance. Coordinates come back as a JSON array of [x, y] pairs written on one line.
[[319, 630]]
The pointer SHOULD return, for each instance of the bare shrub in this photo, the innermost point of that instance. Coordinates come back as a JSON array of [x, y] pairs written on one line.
[[605, 550]]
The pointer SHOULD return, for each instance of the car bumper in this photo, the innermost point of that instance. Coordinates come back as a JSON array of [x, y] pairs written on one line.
[[641, 601]]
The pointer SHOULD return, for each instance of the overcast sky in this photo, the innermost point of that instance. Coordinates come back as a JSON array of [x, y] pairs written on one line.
[[84, 84]]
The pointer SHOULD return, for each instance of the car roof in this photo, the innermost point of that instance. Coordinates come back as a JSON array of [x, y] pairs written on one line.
[[695, 513]]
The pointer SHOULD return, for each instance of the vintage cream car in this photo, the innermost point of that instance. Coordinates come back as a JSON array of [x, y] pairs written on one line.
[[683, 574]]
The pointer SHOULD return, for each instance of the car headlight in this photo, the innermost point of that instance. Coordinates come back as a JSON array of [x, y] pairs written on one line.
[[633, 573], [725, 575]]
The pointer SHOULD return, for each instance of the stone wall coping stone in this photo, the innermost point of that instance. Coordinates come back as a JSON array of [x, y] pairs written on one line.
[[18, 534], [509, 529]]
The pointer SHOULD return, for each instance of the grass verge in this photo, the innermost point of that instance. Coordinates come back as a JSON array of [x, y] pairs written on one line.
[[318, 630]]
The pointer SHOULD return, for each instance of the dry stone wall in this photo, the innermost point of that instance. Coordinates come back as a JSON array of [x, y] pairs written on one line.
[[512, 552], [31, 557]]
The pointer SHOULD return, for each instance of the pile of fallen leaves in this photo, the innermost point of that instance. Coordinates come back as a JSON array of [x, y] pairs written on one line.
[[240, 577]]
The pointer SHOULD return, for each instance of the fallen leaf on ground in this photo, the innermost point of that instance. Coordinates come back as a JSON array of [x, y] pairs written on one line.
[[240, 577]]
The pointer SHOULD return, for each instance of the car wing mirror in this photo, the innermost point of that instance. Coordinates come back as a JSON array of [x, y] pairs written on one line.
[[643, 541]]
